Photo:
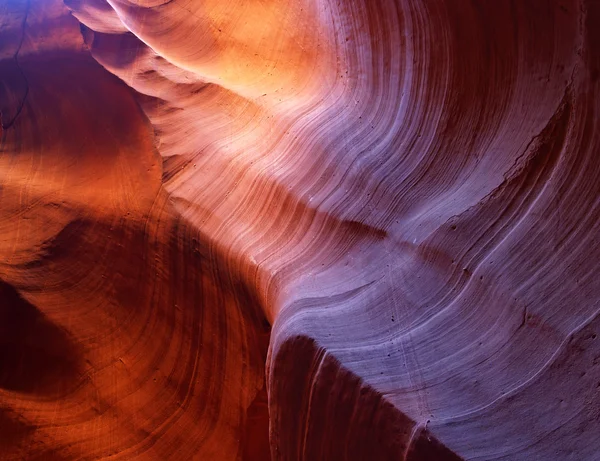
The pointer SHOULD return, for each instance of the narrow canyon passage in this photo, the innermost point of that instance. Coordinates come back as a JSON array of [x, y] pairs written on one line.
[[299, 230]]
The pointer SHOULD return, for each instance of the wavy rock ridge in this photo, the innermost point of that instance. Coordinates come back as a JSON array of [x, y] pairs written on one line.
[[299, 230]]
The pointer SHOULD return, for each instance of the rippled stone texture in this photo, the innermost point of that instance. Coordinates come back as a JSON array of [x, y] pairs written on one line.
[[299, 230]]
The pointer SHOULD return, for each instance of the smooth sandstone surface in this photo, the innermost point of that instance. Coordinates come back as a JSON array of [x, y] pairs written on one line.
[[299, 230]]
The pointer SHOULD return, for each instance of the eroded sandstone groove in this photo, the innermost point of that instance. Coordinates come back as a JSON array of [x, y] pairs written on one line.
[[299, 230]]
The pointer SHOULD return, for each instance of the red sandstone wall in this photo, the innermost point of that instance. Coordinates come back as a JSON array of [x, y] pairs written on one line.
[[299, 229]]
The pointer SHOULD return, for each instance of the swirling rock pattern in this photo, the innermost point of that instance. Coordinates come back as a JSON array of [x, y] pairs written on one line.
[[299, 230]]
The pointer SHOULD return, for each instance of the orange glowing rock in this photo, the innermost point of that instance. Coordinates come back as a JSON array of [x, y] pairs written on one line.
[[299, 230]]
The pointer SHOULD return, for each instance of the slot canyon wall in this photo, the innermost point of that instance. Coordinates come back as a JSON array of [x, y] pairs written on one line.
[[299, 230]]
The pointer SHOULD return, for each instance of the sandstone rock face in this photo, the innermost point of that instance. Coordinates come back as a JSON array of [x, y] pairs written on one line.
[[299, 230]]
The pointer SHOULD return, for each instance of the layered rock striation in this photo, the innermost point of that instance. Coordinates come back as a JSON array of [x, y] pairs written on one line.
[[299, 230]]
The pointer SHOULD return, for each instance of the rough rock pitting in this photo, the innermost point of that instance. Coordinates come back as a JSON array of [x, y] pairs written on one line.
[[299, 230]]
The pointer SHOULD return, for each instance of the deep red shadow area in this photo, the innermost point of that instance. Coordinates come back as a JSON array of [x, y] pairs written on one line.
[[36, 356], [322, 411]]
